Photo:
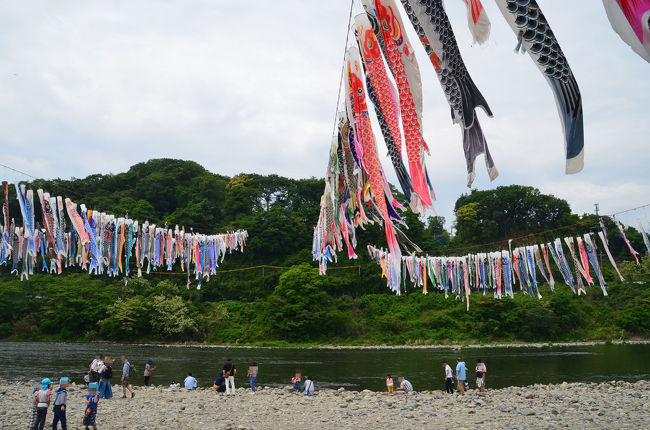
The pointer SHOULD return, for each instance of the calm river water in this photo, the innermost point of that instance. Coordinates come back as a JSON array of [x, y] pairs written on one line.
[[353, 369]]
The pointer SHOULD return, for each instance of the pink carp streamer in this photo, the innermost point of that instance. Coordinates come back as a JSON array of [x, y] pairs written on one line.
[[631, 20]]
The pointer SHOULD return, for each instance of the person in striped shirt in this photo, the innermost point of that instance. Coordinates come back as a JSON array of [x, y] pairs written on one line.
[[404, 385]]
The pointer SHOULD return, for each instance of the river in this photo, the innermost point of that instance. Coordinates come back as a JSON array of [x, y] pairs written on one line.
[[354, 369]]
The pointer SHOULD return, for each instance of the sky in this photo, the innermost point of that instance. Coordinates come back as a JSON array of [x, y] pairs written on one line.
[[95, 87]]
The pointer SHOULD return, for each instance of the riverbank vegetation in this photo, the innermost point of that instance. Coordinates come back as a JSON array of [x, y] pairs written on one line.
[[290, 303]]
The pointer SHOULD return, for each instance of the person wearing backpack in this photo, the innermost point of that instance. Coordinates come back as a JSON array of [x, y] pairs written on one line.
[[126, 377], [106, 373]]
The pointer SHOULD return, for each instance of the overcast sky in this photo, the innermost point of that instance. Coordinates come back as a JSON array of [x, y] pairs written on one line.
[[93, 86]]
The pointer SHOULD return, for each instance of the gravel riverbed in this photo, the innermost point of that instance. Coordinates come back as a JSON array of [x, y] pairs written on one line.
[[577, 405]]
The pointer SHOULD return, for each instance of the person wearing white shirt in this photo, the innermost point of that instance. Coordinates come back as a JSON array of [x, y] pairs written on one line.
[[449, 378], [309, 386], [190, 381]]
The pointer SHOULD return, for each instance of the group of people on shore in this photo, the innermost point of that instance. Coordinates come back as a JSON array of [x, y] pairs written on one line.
[[461, 378], [98, 383], [225, 381]]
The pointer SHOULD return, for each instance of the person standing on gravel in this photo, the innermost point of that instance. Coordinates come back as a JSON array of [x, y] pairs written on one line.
[[252, 375], [94, 368], [481, 370], [449, 378], [126, 377], [229, 372], [461, 375]]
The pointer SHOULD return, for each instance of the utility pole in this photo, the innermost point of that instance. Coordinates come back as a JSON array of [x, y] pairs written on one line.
[[600, 253]]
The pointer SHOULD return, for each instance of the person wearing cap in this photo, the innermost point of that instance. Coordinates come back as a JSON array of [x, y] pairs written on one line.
[[92, 399], [42, 402], [35, 388], [59, 404]]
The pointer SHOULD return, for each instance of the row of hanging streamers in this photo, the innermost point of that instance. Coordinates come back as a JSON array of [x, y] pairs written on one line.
[[380, 69], [500, 272], [101, 243]]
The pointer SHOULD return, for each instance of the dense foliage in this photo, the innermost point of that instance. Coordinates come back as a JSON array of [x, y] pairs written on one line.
[[292, 303]]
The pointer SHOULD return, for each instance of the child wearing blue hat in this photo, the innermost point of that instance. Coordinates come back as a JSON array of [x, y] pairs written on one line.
[[92, 399], [59, 404], [42, 402]]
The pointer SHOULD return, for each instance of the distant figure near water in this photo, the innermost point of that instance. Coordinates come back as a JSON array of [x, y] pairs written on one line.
[[296, 381], [148, 371], [389, 383], [404, 385], [229, 372], [481, 370], [126, 377], [449, 378], [252, 375], [461, 375]]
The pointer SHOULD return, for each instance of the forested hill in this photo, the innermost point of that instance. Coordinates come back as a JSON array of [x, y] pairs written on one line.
[[350, 305]]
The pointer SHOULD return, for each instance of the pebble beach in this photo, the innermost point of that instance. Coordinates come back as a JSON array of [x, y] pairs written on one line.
[[577, 405]]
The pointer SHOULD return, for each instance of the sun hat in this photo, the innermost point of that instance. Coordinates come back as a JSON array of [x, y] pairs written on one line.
[[64, 380], [93, 386], [149, 361], [45, 383]]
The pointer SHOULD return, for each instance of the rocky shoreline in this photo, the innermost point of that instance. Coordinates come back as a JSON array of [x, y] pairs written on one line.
[[576, 405]]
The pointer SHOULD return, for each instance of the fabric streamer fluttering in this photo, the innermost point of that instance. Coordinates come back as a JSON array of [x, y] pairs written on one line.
[[631, 20], [102, 243], [534, 35], [500, 271]]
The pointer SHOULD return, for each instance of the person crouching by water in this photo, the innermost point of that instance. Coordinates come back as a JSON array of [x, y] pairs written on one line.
[[59, 404], [309, 386], [449, 378], [481, 370], [105, 374], [252, 375], [461, 375], [220, 383], [190, 382], [229, 372], [42, 402], [404, 385], [148, 371], [126, 377]]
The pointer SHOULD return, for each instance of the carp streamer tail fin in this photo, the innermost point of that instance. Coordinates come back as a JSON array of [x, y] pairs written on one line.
[[419, 182], [478, 21], [569, 106], [474, 144], [471, 98]]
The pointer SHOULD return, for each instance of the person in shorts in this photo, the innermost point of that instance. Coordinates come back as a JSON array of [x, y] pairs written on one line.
[[126, 377], [460, 375], [481, 370]]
